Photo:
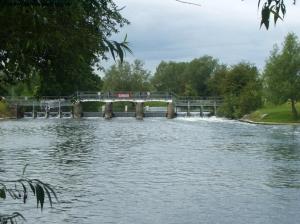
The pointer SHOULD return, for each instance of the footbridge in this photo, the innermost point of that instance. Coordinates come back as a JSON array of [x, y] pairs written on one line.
[[71, 106]]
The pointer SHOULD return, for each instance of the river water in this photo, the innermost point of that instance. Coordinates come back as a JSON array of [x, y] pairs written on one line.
[[186, 170]]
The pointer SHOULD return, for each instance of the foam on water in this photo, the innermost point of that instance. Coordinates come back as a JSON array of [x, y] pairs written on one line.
[[207, 119]]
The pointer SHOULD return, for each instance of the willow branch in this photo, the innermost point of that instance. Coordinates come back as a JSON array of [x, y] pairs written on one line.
[[190, 3]]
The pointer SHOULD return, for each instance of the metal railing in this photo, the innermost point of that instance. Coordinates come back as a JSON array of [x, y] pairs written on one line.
[[123, 95], [54, 101]]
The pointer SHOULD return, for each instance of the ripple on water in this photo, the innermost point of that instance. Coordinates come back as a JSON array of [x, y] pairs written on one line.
[[186, 170]]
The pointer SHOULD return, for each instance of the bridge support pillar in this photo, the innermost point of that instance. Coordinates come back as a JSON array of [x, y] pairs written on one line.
[[34, 114], [215, 108], [201, 111], [108, 112], [139, 111], [47, 111], [17, 111], [188, 109], [77, 110], [59, 110], [170, 111]]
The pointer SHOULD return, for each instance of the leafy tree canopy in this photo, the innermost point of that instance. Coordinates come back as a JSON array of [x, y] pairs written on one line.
[[58, 41], [168, 77], [127, 77], [240, 86], [282, 73], [185, 78]]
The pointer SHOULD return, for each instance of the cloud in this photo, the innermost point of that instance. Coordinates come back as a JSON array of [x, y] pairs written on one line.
[[227, 30]]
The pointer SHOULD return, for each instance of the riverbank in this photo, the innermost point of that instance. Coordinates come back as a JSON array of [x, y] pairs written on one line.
[[273, 115], [5, 112]]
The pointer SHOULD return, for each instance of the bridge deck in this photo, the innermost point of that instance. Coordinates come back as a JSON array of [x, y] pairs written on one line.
[[110, 97]]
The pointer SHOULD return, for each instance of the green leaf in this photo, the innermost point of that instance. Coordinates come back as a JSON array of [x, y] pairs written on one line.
[[265, 16], [40, 195], [32, 187], [24, 168], [49, 196], [2, 193]]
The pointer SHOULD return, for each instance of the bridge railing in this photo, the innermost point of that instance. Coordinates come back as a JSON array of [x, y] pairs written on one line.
[[53, 101], [116, 95], [123, 95], [199, 101]]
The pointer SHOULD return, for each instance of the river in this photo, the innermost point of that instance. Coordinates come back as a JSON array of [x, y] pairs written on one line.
[[156, 171]]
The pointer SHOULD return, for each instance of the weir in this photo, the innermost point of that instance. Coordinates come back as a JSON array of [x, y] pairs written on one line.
[[71, 106]]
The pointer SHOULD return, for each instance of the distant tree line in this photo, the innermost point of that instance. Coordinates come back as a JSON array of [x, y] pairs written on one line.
[[242, 87]]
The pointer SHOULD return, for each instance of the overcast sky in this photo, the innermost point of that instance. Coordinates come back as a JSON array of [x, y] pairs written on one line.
[[225, 29]]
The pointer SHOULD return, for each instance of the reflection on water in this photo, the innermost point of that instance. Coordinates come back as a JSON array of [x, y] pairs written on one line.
[[285, 151], [186, 170], [72, 142]]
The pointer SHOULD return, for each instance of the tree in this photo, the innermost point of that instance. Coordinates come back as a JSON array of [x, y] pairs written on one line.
[[216, 80], [197, 74], [282, 73], [240, 88], [169, 77], [185, 78], [60, 41], [127, 77]]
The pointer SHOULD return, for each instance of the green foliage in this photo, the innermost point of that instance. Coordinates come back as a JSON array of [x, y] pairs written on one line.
[[59, 44], [127, 77], [276, 8], [120, 106], [156, 104], [282, 73], [4, 109], [12, 219], [198, 73], [20, 189], [240, 87], [92, 106], [215, 81], [189, 79], [274, 114], [169, 77]]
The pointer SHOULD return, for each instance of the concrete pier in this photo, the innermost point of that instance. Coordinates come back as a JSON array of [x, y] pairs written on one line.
[[215, 108], [170, 111], [139, 111], [34, 115], [17, 111], [77, 110], [47, 114], [108, 112]]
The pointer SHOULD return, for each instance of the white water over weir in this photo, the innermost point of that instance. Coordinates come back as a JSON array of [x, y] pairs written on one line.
[[72, 106]]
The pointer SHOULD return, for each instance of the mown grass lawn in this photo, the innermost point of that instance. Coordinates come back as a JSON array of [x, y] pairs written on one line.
[[275, 113]]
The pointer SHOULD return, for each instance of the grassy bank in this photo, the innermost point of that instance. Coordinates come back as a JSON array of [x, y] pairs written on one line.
[[274, 114]]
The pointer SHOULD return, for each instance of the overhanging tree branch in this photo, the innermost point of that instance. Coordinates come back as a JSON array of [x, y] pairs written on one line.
[[190, 3]]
